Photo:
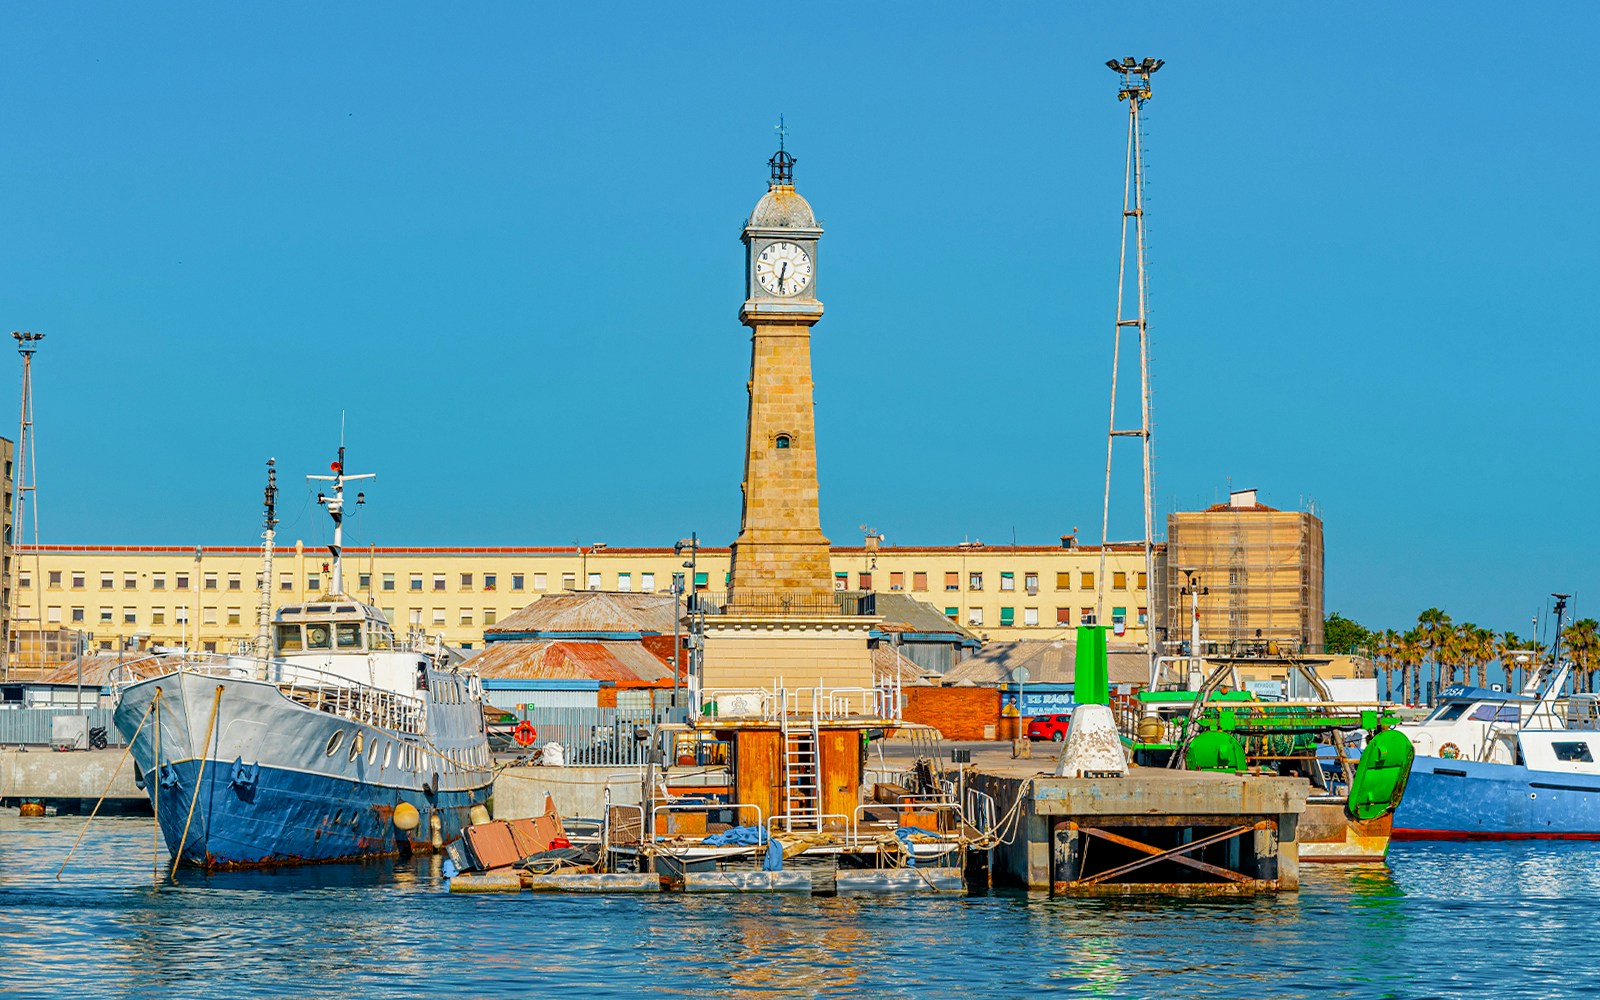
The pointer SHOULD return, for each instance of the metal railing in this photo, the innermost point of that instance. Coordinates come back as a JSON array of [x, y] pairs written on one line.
[[784, 602], [778, 702], [705, 807], [592, 736]]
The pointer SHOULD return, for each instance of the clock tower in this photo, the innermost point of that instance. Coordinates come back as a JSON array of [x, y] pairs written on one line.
[[780, 559]]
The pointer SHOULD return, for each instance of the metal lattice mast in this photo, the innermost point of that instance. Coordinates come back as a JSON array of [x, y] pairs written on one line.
[[25, 483], [1135, 89]]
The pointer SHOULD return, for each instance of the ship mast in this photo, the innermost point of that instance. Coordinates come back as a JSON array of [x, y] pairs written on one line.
[[268, 540], [335, 505]]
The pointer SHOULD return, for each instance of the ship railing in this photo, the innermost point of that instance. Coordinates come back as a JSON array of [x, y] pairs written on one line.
[[810, 822], [739, 809], [906, 806]]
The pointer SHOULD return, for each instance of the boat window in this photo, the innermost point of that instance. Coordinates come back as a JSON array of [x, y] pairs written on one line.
[[344, 607], [318, 637], [355, 747], [380, 638], [317, 609], [1496, 713], [372, 752], [388, 752], [289, 638], [1447, 712], [347, 634], [334, 741], [1575, 752]]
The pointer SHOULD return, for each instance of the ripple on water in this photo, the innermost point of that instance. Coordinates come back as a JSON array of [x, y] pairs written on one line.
[[1500, 920]]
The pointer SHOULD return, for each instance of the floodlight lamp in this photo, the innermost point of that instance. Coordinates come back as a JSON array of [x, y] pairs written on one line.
[[1115, 66], [1158, 64], [1130, 62]]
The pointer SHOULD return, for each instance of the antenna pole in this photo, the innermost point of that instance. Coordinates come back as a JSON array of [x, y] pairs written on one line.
[[335, 505], [268, 547], [1135, 89]]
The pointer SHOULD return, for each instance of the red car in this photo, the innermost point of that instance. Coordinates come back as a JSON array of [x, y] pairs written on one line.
[[1049, 727]]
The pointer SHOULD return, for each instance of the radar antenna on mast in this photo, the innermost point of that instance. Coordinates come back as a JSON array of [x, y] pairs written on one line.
[[335, 505]]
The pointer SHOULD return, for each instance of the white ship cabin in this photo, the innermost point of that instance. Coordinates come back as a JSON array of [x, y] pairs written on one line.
[[1497, 728], [348, 640]]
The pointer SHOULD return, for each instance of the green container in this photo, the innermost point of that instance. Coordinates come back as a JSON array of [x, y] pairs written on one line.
[[1091, 683]]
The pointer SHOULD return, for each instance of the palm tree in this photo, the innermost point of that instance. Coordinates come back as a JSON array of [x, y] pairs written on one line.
[[1385, 652], [1434, 626], [1582, 639], [1411, 651], [1509, 646]]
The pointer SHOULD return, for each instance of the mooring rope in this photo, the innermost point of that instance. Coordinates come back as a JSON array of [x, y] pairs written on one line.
[[177, 855], [96, 810], [155, 790]]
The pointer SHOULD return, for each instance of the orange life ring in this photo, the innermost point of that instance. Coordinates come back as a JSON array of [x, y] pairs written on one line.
[[525, 734], [1450, 752]]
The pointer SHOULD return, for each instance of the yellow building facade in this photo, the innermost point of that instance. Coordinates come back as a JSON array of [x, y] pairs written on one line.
[[207, 597]]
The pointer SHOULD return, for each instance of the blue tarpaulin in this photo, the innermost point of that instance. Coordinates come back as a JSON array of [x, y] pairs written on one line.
[[905, 833], [773, 862], [739, 836]]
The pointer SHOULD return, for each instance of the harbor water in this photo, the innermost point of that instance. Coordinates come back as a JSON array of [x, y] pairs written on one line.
[[1441, 920]]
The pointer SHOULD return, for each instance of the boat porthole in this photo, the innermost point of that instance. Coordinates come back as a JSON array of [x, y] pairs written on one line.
[[355, 747], [338, 817], [388, 752], [334, 741], [372, 753], [1533, 795]]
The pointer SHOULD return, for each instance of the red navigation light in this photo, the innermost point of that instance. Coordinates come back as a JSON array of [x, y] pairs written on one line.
[[335, 466]]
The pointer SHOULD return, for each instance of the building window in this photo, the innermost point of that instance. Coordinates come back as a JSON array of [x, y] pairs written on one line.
[[1086, 580], [954, 614], [677, 583], [24, 580], [489, 616], [1030, 616], [236, 582], [210, 581], [540, 582], [209, 646], [180, 581], [466, 581], [897, 581], [466, 616], [594, 581], [489, 580], [1144, 615], [363, 582], [1031, 583], [107, 582], [1008, 581], [314, 582], [388, 615], [569, 581], [1086, 616], [841, 581], [416, 616], [1119, 580], [208, 616], [286, 581], [1063, 616], [952, 581], [158, 581], [180, 616], [438, 616], [702, 581], [974, 616], [1144, 582], [919, 581], [53, 614], [107, 616], [258, 580], [1008, 616], [55, 579], [647, 582], [625, 582], [438, 581], [416, 581], [77, 579], [233, 616], [974, 581], [516, 581], [865, 579], [1063, 581], [130, 616], [158, 616], [782, 442], [387, 581], [1119, 616]]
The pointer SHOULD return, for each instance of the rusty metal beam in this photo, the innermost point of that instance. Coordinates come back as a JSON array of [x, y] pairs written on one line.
[[1171, 854]]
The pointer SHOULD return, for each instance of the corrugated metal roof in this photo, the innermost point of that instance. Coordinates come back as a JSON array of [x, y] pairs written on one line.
[[627, 664], [589, 612], [888, 662], [1048, 662], [912, 615]]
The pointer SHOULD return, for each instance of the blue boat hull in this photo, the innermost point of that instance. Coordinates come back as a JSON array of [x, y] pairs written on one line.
[[1464, 800], [275, 816]]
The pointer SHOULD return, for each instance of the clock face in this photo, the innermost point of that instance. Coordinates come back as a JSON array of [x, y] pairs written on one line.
[[783, 268]]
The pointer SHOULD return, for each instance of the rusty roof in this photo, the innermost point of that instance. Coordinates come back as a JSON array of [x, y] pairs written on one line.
[[591, 612], [1049, 661], [627, 664]]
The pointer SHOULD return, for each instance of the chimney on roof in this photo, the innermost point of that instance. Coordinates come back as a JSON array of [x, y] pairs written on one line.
[[1069, 541], [1242, 498]]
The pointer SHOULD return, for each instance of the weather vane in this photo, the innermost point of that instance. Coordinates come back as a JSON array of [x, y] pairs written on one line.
[[782, 131]]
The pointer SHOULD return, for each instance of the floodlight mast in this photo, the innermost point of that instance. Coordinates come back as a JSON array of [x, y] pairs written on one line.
[[1135, 89]]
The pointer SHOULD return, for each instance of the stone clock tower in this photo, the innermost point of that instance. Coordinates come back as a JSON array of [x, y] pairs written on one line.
[[780, 559]]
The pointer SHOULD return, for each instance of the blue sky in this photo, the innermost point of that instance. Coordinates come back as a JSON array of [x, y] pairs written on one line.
[[505, 242]]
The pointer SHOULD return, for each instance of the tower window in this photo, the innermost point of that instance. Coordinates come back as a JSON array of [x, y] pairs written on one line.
[[782, 442]]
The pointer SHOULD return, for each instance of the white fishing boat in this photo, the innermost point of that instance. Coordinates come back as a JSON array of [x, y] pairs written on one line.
[[335, 739]]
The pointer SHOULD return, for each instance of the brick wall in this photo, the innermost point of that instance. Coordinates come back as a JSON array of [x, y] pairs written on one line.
[[959, 713]]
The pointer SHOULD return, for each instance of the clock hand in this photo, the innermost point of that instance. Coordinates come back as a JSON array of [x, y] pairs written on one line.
[[783, 269]]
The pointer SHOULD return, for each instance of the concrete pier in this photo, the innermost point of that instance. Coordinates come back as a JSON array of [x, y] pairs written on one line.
[[1153, 831], [71, 782]]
